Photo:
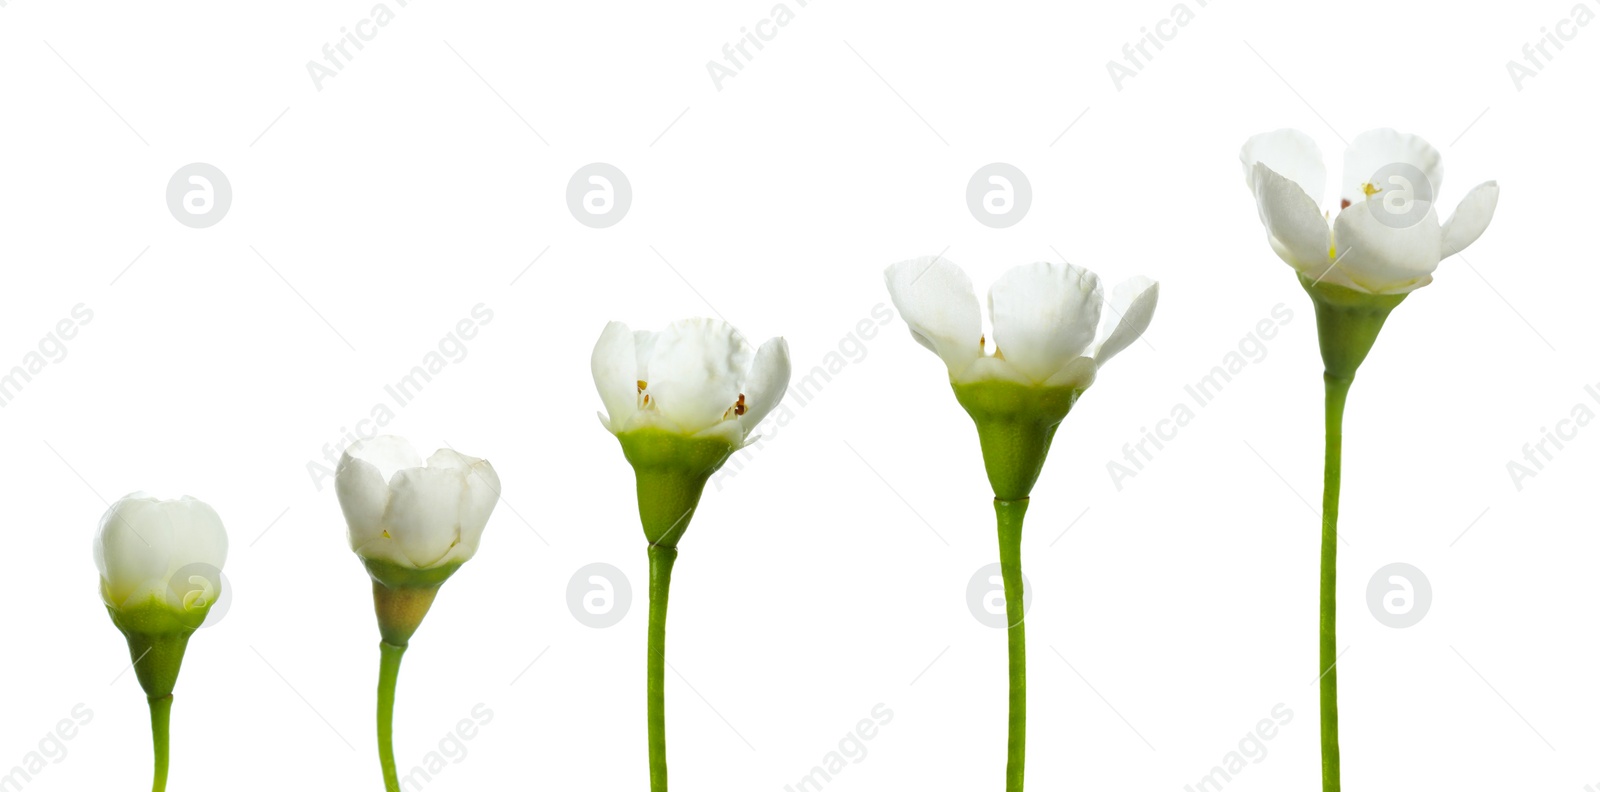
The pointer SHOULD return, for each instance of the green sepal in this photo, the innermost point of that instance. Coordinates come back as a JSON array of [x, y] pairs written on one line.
[[670, 472], [396, 576], [1348, 322], [158, 635], [1016, 423], [401, 596]]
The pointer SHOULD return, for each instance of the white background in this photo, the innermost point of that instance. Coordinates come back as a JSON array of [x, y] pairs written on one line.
[[1175, 613]]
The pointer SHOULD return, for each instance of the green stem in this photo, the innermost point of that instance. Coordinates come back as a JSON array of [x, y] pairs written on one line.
[[1008, 516], [161, 735], [661, 560], [388, 675], [1328, 646]]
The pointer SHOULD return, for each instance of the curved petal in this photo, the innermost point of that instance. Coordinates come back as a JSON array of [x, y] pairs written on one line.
[[478, 497], [730, 432], [616, 377], [424, 519], [1291, 154], [696, 372], [990, 368], [766, 383], [383, 548], [1375, 149], [1044, 316], [1078, 374], [936, 299], [388, 453], [199, 531], [1383, 259], [1470, 219], [363, 497], [1132, 304], [133, 548], [1298, 231], [644, 343]]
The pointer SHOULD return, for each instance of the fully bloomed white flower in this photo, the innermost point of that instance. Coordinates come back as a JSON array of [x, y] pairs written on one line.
[[1047, 320], [1360, 248], [143, 542], [698, 377], [414, 514]]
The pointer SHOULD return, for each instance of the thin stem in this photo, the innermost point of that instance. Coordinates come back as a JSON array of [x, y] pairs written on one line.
[[388, 675], [1328, 646], [661, 560], [161, 735], [1008, 516]]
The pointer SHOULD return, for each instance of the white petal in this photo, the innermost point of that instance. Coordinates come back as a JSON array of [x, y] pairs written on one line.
[[616, 377], [936, 299], [1044, 316], [424, 518], [1079, 374], [696, 372], [767, 382], [730, 432], [1470, 218], [1383, 259], [386, 549], [1291, 154], [644, 343], [132, 548], [202, 538], [478, 498], [143, 541], [388, 453], [990, 368], [1372, 150], [1296, 228], [1132, 304], [363, 497]]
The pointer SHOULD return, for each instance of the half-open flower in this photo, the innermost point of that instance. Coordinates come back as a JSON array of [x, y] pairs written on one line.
[[1052, 330], [1386, 237], [681, 401]]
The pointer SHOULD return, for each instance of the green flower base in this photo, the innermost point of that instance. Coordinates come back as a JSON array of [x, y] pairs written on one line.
[[1016, 423], [670, 472]]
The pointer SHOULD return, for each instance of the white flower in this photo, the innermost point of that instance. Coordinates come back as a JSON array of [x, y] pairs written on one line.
[[1044, 320], [410, 514], [143, 542], [698, 377], [1386, 238]]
